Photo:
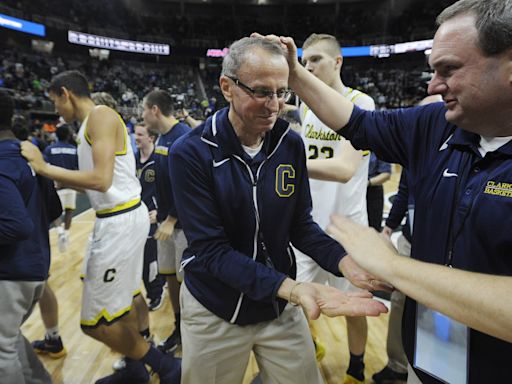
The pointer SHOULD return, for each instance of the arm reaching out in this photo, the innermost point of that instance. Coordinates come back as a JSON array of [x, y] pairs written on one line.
[[438, 287], [329, 106]]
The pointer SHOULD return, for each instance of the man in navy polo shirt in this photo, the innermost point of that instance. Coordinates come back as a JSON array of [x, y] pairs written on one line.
[[459, 158]]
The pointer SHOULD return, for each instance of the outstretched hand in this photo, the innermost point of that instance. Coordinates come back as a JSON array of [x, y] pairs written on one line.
[[317, 298]]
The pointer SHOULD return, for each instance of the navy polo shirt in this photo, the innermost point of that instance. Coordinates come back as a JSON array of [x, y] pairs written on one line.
[[463, 208]]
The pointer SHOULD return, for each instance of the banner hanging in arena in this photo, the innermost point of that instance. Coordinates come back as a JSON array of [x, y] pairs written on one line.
[[105, 42]]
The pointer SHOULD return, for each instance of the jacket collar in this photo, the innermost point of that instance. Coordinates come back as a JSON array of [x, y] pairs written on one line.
[[219, 133], [471, 140]]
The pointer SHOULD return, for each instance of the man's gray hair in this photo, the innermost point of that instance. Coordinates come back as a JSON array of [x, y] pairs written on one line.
[[239, 49], [493, 22]]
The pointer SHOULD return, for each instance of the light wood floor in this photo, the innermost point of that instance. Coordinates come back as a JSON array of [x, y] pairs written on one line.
[[87, 360]]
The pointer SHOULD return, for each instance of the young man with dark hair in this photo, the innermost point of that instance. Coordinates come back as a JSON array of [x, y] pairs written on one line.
[[113, 263], [158, 116]]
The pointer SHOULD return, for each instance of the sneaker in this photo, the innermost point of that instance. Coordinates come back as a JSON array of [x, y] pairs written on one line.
[[133, 373], [121, 363], [170, 370], [349, 379], [156, 302], [319, 349], [388, 376], [51, 347], [171, 343], [63, 242]]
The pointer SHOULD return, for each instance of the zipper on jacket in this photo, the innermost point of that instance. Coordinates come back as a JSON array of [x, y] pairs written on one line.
[[254, 182]]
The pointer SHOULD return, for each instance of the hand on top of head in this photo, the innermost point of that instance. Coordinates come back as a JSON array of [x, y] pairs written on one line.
[[287, 44]]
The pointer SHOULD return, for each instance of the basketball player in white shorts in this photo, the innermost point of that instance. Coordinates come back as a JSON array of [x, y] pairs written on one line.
[[322, 56], [114, 261]]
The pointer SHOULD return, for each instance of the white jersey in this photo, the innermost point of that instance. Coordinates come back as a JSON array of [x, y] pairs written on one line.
[[125, 189], [321, 142]]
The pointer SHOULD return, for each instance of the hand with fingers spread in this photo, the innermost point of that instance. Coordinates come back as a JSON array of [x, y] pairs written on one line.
[[338, 303], [318, 298], [366, 247]]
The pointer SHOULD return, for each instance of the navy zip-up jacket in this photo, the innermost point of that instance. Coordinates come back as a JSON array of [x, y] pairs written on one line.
[[164, 196], [463, 209], [28, 204], [240, 215]]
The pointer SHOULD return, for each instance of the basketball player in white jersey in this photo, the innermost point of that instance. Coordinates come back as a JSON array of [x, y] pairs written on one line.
[[322, 56], [113, 264]]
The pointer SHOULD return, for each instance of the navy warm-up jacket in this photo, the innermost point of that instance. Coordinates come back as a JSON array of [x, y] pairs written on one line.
[[28, 204], [240, 215]]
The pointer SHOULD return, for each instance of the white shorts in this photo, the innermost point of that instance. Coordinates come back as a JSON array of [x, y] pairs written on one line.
[[170, 253], [309, 271], [67, 198], [112, 269]]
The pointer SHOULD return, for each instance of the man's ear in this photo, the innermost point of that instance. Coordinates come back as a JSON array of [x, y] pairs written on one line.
[[66, 93], [339, 62], [226, 88]]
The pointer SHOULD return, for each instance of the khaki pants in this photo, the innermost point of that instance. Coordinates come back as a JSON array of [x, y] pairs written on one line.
[[217, 352]]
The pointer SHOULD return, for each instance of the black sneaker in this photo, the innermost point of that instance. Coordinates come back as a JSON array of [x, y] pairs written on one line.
[[156, 302], [170, 370], [171, 343], [121, 362], [388, 376], [133, 373], [51, 347]]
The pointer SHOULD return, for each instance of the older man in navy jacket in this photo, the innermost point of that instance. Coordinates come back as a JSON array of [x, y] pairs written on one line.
[[242, 194]]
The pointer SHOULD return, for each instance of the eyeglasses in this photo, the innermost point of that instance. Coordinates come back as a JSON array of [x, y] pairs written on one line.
[[262, 93]]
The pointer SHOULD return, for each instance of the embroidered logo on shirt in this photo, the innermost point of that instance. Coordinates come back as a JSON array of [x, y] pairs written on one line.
[[160, 150], [498, 188], [449, 174], [285, 173]]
